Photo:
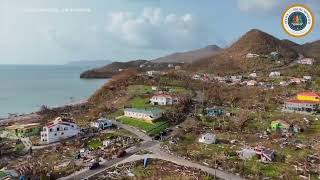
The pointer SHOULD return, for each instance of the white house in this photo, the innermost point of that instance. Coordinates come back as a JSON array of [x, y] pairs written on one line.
[[60, 128], [196, 77], [148, 115], [101, 123], [306, 61], [275, 74], [154, 88], [251, 83], [153, 73], [208, 138], [307, 78], [253, 75], [163, 99], [177, 67], [251, 55]]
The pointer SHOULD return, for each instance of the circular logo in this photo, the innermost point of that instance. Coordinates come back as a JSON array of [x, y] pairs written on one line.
[[298, 20]]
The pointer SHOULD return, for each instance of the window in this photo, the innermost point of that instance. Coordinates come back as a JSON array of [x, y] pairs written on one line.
[[65, 128], [58, 129], [55, 134], [50, 129], [62, 133]]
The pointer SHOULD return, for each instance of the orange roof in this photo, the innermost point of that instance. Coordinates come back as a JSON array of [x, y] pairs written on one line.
[[309, 94], [296, 101]]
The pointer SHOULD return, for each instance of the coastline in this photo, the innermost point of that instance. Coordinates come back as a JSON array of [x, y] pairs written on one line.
[[33, 116]]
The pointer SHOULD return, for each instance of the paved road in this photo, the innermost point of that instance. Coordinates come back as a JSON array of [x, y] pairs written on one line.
[[84, 173], [159, 154], [153, 146], [133, 130]]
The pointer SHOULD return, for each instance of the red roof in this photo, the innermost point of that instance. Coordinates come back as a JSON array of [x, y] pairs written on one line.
[[309, 94], [295, 101]]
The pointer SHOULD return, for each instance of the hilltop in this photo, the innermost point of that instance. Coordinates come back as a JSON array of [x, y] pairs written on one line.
[[189, 56], [311, 49], [114, 68], [233, 59]]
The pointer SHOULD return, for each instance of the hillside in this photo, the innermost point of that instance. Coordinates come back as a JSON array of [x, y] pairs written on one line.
[[233, 59], [114, 68], [189, 56], [311, 50]]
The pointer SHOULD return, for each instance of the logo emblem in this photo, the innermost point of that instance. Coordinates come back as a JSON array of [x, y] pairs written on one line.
[[298, 20]]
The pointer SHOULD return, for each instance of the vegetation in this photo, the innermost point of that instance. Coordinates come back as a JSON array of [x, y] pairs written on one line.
[[150, 128]]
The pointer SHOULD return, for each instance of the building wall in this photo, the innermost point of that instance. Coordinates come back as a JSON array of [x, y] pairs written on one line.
[[308, 98], [141, 115], [161, 101], [58, 132], [302, 107]]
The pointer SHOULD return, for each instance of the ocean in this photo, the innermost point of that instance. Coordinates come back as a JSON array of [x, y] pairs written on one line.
[[24, 88]]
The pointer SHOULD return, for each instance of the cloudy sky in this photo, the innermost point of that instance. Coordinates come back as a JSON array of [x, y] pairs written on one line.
[[59, 31]]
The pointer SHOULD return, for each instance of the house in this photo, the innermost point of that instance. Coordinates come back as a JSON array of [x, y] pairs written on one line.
[[309, 96], [154, 88], [275, 55], [170, 65], [279, 125], [208, 138], [177, 67], [101, 123], [275, 74], [265, 154], [306, 61], [196, 77], [24, 130], [307, 102], [163, 99], [235, 79], [214, 112], [153, 73], [251, 83], [246, 153], [253, 75], [296, 81], [60, 128], [251, 55], [283, 83], [148, 115], [307, 78]]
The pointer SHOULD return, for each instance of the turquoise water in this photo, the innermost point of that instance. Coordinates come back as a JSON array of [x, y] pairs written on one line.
[[24, 88]]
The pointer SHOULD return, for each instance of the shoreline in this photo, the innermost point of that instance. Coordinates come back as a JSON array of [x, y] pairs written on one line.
[[33, 116]]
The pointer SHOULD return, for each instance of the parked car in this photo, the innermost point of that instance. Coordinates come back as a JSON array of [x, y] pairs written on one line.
[[121, 153], [94, 165]]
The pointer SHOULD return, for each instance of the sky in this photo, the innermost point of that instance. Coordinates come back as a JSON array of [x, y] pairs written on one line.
[[59, 31]]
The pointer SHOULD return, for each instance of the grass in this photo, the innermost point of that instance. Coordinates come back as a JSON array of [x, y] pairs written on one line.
[[94, 144], [149, 128], [19, 148], [142, 89], [139, 89], [139, 102]]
